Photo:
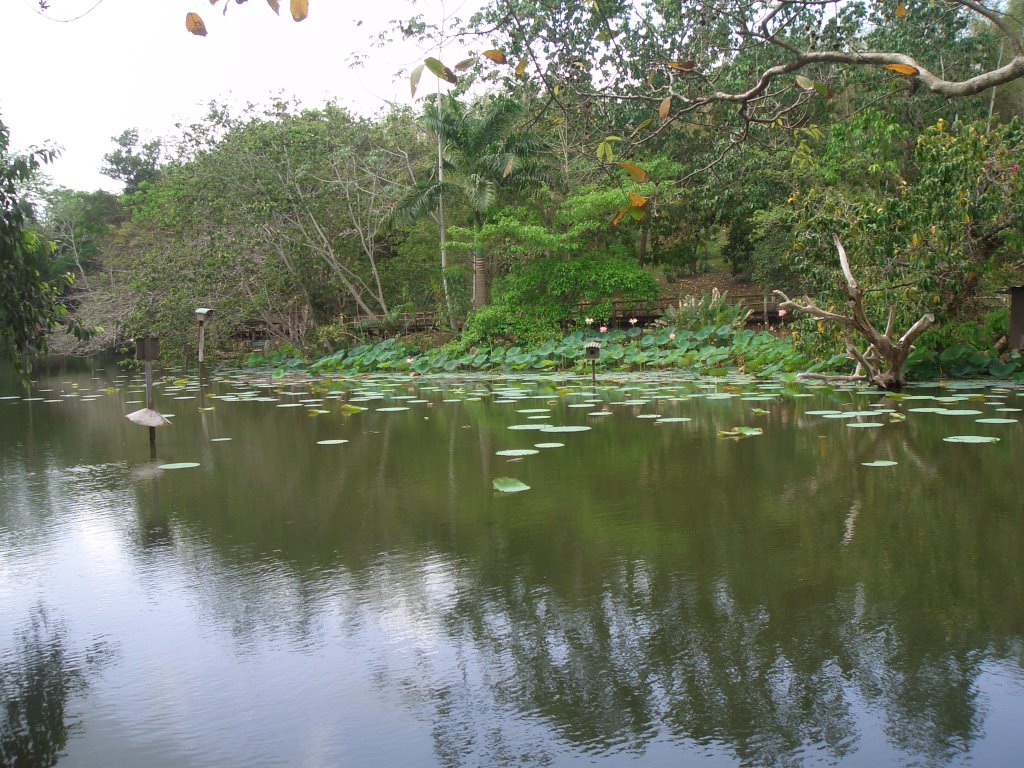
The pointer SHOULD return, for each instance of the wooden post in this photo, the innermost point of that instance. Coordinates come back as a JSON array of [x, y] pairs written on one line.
[[1016, 337], [149, 404]]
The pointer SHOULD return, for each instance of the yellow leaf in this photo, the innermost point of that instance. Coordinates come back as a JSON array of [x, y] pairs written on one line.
[[637, 173], [619, 216], [300, 9], [901, 11], [664, 107], [508, 168], [414, 80], [194, 24], [520, 67], [684, 66], [902, 69], [915, 240], [804, 82], [638, 201], [275, 6], [496, 56]]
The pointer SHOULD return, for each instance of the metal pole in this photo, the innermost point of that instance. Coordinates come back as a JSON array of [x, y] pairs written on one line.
[[593, 372], [202, 339]]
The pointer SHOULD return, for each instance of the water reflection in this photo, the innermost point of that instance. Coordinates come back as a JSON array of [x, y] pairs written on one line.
[[38, 678], [659, 593]]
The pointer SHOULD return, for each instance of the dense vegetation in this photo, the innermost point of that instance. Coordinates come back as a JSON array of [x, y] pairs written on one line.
[[579, 161]]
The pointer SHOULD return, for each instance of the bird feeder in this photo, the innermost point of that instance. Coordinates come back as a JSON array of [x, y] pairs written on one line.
[[202, 315], [147, 348], [592, 350]]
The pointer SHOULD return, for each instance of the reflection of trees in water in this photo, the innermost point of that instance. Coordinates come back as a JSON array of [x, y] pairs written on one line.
[[36, 682], [668, 658], [709, 598]]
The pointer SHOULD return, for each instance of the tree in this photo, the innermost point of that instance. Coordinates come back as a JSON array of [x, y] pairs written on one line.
[[30, 304], [748, 64], [479, 151], [132, 163]]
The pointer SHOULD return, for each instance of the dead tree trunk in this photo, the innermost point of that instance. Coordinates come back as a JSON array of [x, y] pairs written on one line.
[[884, 360]]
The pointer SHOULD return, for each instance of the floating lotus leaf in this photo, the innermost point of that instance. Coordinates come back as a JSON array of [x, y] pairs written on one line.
[[517, 452], [820, 413], [330, 442], [219, 439], [970, 439], [996, 421], [392, 408], [879, 463], [549, 445], [180, 465], [509, 485], [528, 426], [571, 428], [348, 408], [673, 420], [738, 432], [866, 424]]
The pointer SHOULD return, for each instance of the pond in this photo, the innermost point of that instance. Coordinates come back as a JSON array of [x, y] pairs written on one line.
[[334, 578]]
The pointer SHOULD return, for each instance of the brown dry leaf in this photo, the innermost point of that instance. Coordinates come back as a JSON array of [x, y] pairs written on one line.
[[194, 24], [619, 216], [300, 9], [496, 56], [903, 69], [901, 11], [508, 168], [664, 107], [637, 173], [275, 6], [684, 66], [638, 201]]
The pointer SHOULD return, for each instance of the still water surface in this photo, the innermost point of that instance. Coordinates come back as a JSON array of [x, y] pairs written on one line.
[[660, 596]]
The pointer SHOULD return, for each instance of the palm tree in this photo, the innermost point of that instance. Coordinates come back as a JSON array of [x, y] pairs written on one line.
[[478, 150]]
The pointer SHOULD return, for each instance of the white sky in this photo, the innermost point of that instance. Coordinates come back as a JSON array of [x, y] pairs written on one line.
[[131, 64]]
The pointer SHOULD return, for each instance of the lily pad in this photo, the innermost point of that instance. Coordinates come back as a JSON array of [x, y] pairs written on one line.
[[970, 439], [180, 465], [549, 445], [866, 424], [880, 463], [509, 485], [571, 428], [996, 421], [330, 442], [673, 420], [517, 452], [219, 439], [738, 432], [393, 408]]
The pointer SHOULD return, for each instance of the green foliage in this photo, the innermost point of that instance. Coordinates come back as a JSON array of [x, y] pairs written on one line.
[[712, 308], [30, 304], [706, 349]]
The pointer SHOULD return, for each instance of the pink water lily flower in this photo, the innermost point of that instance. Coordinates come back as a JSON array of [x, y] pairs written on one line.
[[672, 336], [603, 329]]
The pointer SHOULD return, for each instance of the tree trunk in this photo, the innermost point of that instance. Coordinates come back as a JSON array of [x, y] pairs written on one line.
[[884, 360], [479, 268]]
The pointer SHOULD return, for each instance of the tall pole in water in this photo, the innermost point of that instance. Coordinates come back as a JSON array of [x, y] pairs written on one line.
[[149, 405]]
